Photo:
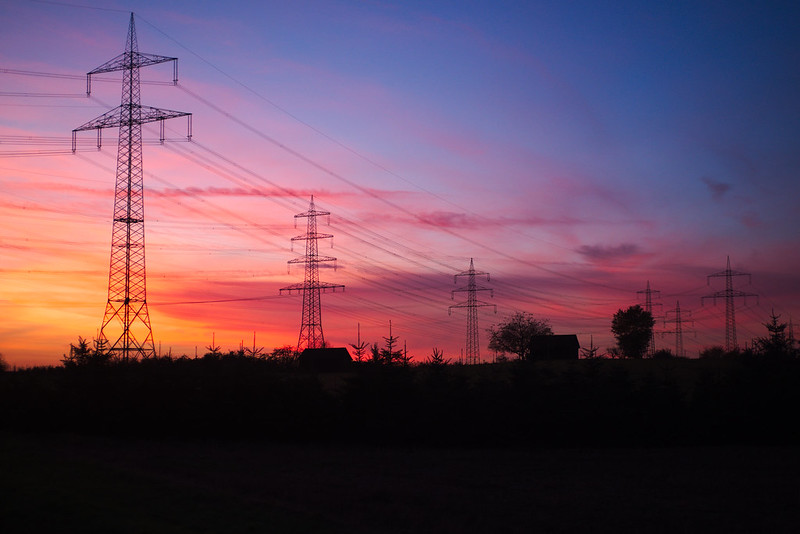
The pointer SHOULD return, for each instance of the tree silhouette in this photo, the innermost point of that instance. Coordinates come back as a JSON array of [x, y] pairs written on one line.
[[360, 349], [389, 355], [633, 329], [214, 350], [717, 352], [437, 357], [663, 354], [285, 354], [254, 352], [81, 354], [514, 335], [590, 352], [375, 353], [777, 344]]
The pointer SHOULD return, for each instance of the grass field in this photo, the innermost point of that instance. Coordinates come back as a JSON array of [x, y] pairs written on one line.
[[69, 483]]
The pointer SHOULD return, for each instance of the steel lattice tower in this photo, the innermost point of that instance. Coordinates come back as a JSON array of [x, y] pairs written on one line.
[[311, 335], [648, 307], [473, 352], [126, 327], [678, 320], [729, 294]]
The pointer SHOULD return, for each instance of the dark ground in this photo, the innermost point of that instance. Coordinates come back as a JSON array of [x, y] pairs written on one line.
[[70, 483], [244, 445]]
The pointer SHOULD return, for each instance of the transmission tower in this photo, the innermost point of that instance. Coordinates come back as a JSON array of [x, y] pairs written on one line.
[[311, 336], [472, 304], [648, 307], [674, 316], [126, 327], [729, 294]]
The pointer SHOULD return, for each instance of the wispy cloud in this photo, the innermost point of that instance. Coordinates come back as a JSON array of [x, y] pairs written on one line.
[[717, 189], [610, 253], [450, 219]]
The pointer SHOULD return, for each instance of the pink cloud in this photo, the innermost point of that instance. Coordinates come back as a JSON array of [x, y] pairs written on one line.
[[610, 253]]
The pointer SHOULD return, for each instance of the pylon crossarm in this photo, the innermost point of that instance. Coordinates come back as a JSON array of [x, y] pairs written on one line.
[[126, 60], [318, 285], [476, 304], [119, 117], [315, 259], [106, 120], [289, 289], [150, 114], [307, 237], [333, 287]]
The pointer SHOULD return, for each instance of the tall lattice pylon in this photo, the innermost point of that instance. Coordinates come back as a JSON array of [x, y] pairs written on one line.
[[126, 330], [648, 307], [473, 352], [311, 336], [675, 317], [729, 294]]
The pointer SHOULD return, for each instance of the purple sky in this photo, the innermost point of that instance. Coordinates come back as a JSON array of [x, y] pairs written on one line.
[[576, 152]]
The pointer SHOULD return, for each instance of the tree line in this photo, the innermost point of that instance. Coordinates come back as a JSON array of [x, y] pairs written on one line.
[[632, 329]]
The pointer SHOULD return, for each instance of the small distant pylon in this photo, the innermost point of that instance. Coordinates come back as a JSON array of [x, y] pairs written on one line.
[[675, 317], [126, 324], [648, 307], [311, 336], [473, 353], [729, 294]]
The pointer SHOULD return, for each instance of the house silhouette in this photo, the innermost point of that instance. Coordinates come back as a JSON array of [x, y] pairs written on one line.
[[325, 360], [551, 347]]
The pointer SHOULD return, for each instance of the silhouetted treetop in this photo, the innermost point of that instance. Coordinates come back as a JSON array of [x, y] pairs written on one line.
[[633, 329], [514, 334]]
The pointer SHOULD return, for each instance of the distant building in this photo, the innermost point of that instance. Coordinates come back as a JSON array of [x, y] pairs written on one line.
[[325, 360], [563, 347]]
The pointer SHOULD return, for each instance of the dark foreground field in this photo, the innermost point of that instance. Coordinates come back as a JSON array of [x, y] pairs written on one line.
[[68, 483], [252, 446]]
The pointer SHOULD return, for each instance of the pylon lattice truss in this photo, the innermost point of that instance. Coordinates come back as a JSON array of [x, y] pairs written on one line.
[[675, 317], [311, 335], [648, 307], [126, 330], [473, 349], [729, 294]]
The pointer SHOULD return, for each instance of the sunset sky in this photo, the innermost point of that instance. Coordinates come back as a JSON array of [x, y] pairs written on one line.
[[575, 151]]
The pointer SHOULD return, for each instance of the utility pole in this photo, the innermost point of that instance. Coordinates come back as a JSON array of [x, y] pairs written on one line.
[[674, 316], [729, 294], [126, 323], [472, 304], [311, 336], [648, 307]]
